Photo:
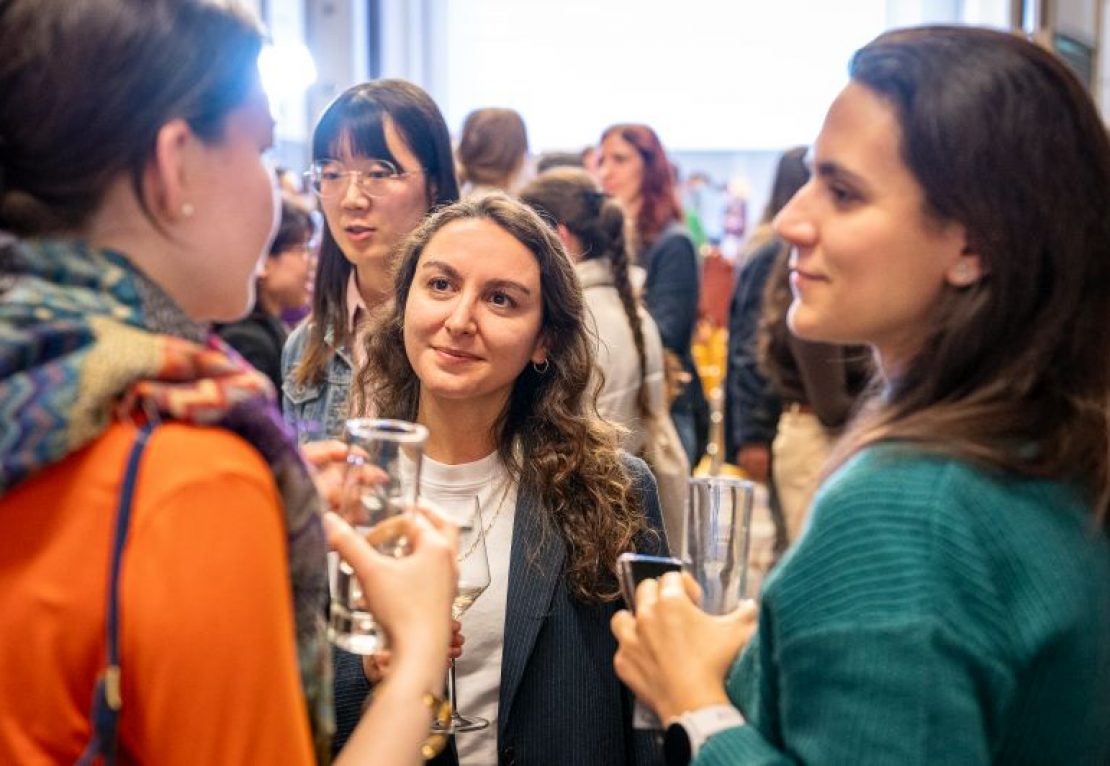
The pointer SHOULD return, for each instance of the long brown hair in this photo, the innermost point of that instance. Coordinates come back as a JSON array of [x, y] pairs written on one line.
[[659, 199], [567, 455], [357, 117], [1004, 140], [570, 197]]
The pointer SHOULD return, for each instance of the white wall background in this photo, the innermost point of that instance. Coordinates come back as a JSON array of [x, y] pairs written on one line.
[[727, 84], [706, 75]]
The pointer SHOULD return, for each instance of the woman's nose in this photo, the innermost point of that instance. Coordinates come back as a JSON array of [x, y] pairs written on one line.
[[794, 223], [354, 196], [461, 318]]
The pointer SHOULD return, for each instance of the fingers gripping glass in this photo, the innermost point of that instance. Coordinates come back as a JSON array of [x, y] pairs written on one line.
[[330, 179], [380, 485]]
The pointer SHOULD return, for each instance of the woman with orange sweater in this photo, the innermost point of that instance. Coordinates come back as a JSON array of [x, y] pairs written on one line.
[[160, 537]]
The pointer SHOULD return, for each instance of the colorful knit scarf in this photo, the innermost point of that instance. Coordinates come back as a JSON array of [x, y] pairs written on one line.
[[86, 339]]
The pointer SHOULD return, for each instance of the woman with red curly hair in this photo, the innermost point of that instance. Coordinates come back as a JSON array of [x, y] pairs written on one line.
[[635, 170]]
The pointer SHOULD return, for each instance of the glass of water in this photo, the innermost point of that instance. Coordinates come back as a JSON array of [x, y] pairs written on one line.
[[380, 484], [717, 540]]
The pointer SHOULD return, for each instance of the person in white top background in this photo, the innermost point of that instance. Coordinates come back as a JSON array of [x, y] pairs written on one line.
[[497, 364], [627, 347]]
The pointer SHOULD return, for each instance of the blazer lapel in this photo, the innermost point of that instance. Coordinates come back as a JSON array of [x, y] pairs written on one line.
[[533, 575]]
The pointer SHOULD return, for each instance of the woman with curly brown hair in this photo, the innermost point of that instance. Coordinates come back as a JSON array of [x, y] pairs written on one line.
[[497, 366]]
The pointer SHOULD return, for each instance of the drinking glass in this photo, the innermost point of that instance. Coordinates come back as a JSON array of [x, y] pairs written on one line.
[[379, 484], [717, 539], [473, 581]]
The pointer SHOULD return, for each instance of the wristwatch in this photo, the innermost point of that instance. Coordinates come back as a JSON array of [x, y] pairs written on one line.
[[688, 732]]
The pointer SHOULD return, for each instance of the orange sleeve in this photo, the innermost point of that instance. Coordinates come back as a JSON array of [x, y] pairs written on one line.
[[208, 654]]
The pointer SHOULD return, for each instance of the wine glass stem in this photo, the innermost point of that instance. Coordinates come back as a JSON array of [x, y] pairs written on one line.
[[451, 689]]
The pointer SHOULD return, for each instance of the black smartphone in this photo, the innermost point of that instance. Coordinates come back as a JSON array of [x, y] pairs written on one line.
[[636, 567]]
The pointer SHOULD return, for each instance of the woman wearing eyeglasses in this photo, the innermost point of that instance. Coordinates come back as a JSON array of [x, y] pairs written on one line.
[[381, 160]]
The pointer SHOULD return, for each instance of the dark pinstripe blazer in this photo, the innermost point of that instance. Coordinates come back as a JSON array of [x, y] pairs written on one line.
[[561, 703]]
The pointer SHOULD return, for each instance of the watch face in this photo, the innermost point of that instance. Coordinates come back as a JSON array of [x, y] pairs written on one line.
[[676, 745]]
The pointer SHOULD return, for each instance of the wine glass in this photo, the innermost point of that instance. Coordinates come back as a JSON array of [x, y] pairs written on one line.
[[473, 581], [379, 484]]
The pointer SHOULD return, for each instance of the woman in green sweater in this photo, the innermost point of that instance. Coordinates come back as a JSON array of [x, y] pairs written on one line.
[[950, 601]]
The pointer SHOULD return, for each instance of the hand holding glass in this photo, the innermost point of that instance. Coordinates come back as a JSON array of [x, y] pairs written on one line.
[[380, 484]]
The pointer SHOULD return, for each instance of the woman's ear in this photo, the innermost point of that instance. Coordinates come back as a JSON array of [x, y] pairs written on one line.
[[262, 269], [570, 242], [539, 353], [170, 191], [966, 270]]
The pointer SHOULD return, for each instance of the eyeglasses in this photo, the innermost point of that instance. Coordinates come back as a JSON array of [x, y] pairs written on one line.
[[331, 178], [303, 249]]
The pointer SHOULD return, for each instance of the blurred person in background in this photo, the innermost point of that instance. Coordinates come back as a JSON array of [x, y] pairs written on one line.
[[283, 283], [551, 160], [817, 385], [493, 152], [627, 347], [752, 405], [949, 600], [137, 204], [634, 169]]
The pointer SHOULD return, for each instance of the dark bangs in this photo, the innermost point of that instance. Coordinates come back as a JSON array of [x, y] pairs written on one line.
[[352, 122]]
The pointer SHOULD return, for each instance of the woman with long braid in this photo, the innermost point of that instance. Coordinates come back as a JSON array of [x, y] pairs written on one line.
[[628, 350]]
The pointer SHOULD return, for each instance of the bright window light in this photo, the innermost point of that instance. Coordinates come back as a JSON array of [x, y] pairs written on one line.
[[724, 75], [287, 71]]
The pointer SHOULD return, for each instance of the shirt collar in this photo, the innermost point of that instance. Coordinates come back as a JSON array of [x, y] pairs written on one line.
[[356, 306]]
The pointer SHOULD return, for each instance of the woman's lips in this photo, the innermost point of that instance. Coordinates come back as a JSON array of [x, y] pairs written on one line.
[[454, 355], [359, 233], [801, 279]]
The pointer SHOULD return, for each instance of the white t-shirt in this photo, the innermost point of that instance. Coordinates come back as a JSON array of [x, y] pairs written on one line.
[[478, 672]]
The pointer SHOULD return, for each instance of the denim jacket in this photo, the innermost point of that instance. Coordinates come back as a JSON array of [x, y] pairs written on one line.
[[315, 410]]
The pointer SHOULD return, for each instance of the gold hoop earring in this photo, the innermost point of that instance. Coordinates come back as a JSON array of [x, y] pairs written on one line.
[[541, 367]]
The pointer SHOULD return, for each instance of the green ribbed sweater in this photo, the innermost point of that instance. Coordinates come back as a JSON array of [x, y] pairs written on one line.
[[933, 613]]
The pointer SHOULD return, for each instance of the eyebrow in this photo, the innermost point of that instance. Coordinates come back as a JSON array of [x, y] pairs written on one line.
[[830, 169], [500, 284]]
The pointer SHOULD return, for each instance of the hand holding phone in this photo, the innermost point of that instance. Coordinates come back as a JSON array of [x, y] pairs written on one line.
[[633, 568]]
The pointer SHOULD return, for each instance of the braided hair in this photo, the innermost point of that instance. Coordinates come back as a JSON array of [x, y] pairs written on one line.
[[570, 197]]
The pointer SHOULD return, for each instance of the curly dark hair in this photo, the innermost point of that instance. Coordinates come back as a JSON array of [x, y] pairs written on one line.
[[551, 440], [569, 196]]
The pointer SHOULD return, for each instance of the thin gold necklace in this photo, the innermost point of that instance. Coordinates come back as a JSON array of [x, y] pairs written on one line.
[[492, 521]]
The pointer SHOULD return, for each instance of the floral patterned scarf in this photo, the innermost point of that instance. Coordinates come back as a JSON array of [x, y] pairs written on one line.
[[86, 339]]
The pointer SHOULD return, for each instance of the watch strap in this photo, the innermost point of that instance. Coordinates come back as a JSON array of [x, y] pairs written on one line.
[[698, 726]]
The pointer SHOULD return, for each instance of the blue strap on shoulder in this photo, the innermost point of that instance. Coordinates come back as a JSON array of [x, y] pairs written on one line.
[[107, 699]]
